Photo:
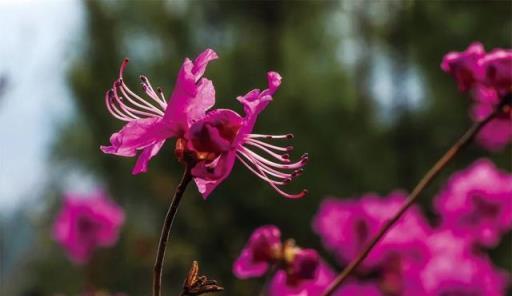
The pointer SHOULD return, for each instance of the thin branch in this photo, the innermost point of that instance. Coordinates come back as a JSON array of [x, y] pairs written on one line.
[[424, 182], [166, 229]]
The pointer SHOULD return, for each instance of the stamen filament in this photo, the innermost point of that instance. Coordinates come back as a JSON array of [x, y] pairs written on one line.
[[290, 166], [278, 148], [153, 94], [113, 110], [260, 174], [287, 195], [271, 153], [128, 109], [147, 106], [287, 136], [266, 168]]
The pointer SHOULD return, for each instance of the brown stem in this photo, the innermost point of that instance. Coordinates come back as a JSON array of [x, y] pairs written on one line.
[[166, 229], [424, 182]]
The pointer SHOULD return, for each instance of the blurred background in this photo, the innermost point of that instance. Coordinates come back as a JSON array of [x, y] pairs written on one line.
[[362, 91]]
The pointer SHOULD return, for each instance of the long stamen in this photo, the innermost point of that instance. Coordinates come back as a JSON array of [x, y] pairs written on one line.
[[151, 92], [124, 87], [287, 195], [260, 174], [129, 109], [162, 97], [297, 165], [282, 157], [287, 136], [266, 168], [261, 166], [128, 95], [118, 100], [113, 109], [274, 147]]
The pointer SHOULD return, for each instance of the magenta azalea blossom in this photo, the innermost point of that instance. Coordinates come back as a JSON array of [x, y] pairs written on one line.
[[223, 136], [151, 123], [317, 285], [265, 249], [489, 76], [455, 269], [478, 202], [345, 226], [210, 140], [85, 223], [464, 65], [497, 66]]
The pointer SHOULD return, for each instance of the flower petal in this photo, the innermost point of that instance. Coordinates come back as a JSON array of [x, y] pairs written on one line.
[[245, 267], [141, 166], [138, 135], [208, 175], [192, 95], [464, 66]]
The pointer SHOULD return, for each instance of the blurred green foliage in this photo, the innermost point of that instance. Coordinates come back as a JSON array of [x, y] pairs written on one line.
[[326, 52]]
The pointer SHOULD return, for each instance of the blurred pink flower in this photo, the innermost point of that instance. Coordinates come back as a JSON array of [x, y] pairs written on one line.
[[477, 202], [316, 286], [346, 225], [489, 75], [262, 250], [212, 139], [497, 66], [455, 269], [463, 66], [265, 249], [85, 223]]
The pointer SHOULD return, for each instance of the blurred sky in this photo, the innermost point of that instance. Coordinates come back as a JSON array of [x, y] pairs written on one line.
[[39, 40]]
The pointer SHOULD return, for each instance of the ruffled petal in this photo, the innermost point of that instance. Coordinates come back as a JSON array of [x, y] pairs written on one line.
[[280, 285], [496, 134], [245, 267], [141, 166], [192, 95], [208, 175], [464, 66], [136, 135], [256, 256], [497, 66], [256, 101], [214, 133]]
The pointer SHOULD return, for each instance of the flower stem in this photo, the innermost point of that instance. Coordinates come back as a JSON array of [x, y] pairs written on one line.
[[463, 141], [268, 278], [166, 230]]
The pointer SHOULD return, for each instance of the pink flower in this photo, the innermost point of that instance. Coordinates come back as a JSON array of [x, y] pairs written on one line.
[[463, 66], [223, 136], [262, 250], [490, 77], [209, 140], [151, 123], [317, 285], [86, 223], [477, 202], [497, 66], [265, 249], [345, 226], [453, 269]]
